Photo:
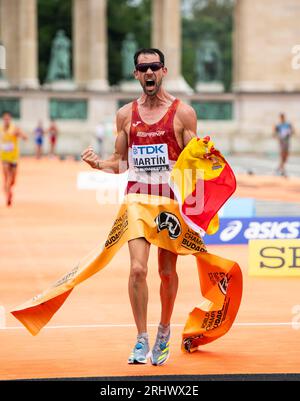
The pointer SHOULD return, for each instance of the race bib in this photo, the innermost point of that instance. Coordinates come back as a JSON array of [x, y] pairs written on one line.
[[285, 132], [7, 147], [150, 157]]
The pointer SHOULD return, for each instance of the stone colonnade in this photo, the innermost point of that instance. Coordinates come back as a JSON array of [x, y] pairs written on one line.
[[18, 33], [266, 33]]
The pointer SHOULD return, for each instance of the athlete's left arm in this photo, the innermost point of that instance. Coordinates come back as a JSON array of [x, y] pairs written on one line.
[[21, 134], [188, 119]]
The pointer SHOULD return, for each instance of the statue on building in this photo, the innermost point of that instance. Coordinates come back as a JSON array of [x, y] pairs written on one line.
[[209, 65], [60, 65], [129, 47]]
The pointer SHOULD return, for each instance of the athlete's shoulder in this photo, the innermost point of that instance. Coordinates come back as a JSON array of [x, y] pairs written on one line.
[[124, 110], [185, 111], [185, 108], [123, 116], [124, 113]]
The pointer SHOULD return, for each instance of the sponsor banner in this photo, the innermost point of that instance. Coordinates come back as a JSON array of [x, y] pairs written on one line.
[[240, 231], [274, 258]]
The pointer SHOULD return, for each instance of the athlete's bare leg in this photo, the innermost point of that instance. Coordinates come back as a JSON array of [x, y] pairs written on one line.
[[38, 152], [13, 175], [5, 177], [138, 290], [52, 149], [283, 158], [10, 174], [169, 283]]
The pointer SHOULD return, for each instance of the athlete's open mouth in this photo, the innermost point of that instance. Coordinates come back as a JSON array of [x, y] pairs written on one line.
[[150, 83]]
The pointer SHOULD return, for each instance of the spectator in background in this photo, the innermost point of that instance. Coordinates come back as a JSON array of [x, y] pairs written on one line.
[[283, 132], [39, 139], [9, 152], [53, 133]]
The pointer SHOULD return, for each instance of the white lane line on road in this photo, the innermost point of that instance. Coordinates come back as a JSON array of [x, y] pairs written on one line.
[[104, 326]]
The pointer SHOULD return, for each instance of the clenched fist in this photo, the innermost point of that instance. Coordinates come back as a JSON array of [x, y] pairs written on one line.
[[90, 157]]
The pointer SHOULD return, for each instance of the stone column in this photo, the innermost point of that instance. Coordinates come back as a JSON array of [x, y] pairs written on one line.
[[97, 46], [90, 44], [157, 24], [19, 36], [9, 38], [3, 81], [166, 35], [80, 42], [2, 52], [27, 41], [265, 34]]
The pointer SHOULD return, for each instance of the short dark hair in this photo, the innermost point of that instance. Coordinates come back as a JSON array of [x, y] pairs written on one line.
[[5, 112], [149, 51]]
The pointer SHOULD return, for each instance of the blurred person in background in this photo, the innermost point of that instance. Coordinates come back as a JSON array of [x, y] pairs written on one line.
[[39, 139], [53, 134], [9, 151], [283, 132]]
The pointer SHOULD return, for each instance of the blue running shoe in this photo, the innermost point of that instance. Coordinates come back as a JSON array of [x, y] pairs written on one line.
[[141, 352], [161, 349]]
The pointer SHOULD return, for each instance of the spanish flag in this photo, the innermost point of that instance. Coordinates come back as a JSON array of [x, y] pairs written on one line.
[[165, 223], [202, 181]]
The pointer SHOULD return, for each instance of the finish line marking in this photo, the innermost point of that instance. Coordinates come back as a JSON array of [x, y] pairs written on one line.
[[104, 326]]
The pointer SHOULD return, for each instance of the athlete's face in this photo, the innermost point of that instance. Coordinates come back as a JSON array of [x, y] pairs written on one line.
[[6, 119], [150, 80]]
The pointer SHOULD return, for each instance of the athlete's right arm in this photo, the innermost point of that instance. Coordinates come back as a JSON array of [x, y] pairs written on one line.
[[117, 162]]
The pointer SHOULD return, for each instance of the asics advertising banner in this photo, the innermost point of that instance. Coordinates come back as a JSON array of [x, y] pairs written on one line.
[[240, 231]]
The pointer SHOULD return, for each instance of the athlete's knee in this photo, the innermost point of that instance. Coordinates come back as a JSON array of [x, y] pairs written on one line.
[[138, 271], [167, 273], [167, 265]]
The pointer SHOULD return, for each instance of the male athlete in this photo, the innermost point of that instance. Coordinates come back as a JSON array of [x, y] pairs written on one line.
[[283, 131], [9, 142], [155, 118]]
